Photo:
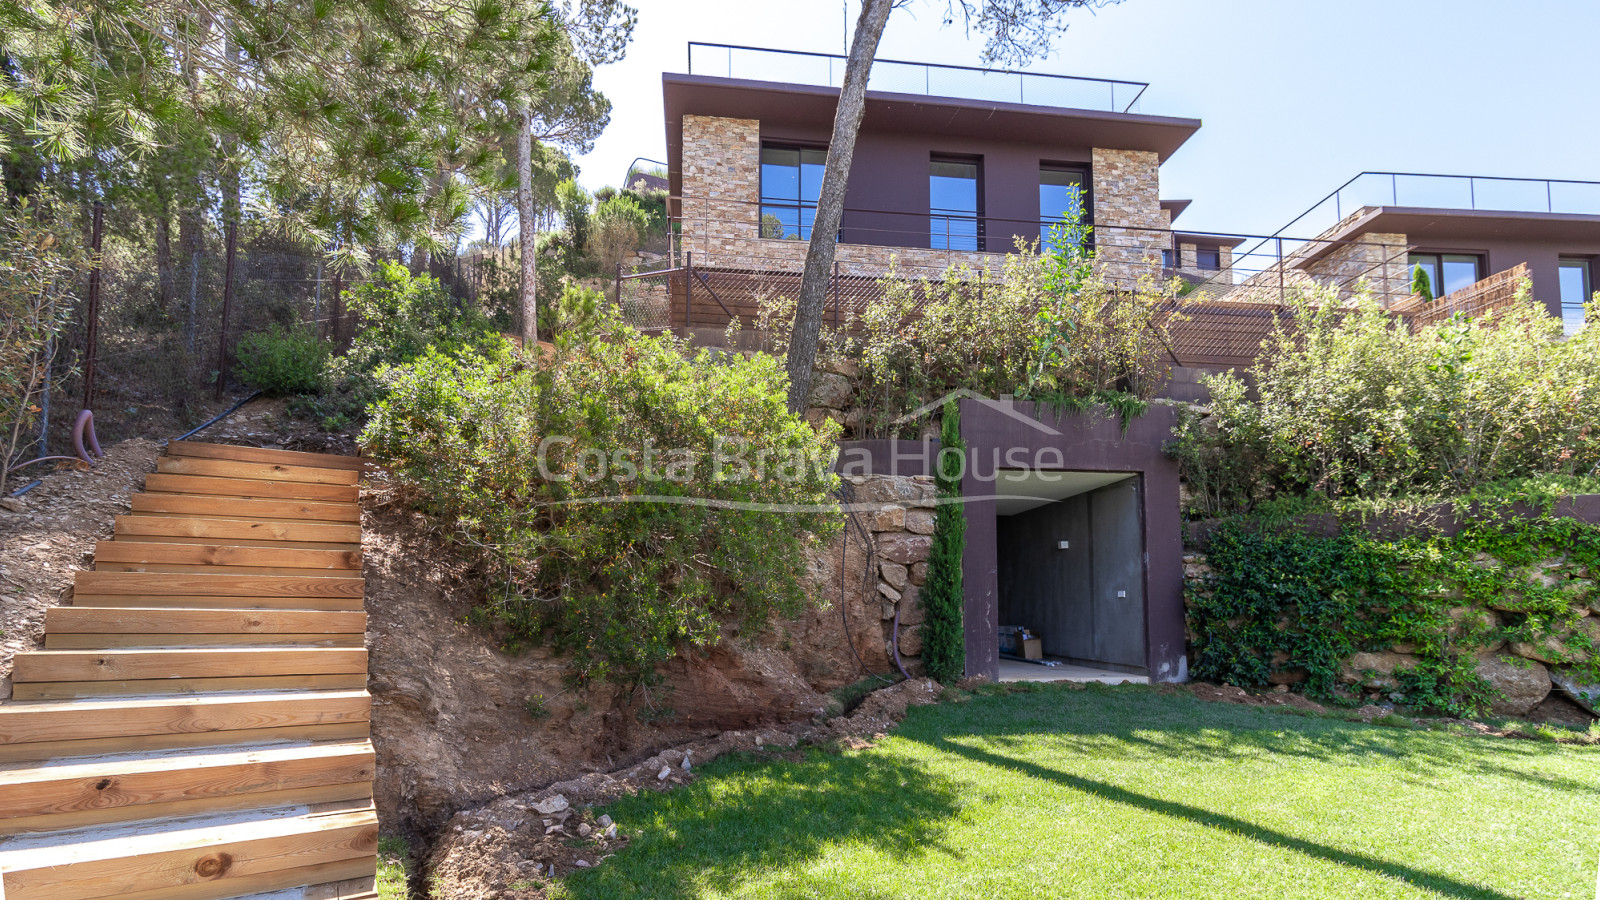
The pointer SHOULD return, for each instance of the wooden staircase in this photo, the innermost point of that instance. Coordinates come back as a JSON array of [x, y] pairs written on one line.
[[196, 726]]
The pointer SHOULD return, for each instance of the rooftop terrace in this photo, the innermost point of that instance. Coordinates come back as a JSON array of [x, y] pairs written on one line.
[[927, 79], [1478, 193]]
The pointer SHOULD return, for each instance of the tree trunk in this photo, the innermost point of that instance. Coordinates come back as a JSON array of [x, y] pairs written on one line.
[[527, 231], [830, 204]]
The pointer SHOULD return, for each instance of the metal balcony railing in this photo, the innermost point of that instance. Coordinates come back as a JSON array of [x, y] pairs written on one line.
[[930, 79]]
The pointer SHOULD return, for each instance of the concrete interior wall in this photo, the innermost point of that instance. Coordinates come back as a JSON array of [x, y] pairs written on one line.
[[1070, 597]]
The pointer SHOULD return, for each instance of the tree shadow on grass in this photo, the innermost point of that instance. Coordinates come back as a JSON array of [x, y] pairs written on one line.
[[1439, 884], [1136, 722], [746, 818]]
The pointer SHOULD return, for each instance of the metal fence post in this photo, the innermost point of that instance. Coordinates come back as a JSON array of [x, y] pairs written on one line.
[[836, 295], [92, 331], [1280, 270], [227, 304], [688, 291], [618, 286]]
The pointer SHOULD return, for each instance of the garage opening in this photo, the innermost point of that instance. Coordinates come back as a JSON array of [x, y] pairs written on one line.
[[1071, 562]]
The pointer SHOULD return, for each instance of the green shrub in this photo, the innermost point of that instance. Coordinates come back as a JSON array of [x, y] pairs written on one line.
[[943, 637], [283, 362], [618, 229], [1280, 599], [401, 317], [1350, 404], [1421, 285], [598, 486]]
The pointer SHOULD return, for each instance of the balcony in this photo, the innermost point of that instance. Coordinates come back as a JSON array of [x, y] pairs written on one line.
[[1479, 193], [926, 79]]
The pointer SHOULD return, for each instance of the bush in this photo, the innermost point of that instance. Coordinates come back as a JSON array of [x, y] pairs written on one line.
[[596, 485], [1280, 599], [1350, 404], [282, 361], [38, 292], [618, 229]]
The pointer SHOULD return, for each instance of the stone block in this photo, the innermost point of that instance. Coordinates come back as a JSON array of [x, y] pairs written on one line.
[[1375, 670], [919, 521], [911, 641], [1522, 684], [904, 549], [894, 573], [888, 518], [911, 611], [830, 390], [888, 591], [919, 574]]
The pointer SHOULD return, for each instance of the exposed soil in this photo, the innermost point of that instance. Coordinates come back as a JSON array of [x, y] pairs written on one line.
[[458, 722], [51, 534], [514, 847]]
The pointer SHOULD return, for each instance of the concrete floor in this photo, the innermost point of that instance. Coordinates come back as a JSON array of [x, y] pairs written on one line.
[[1013, 670]]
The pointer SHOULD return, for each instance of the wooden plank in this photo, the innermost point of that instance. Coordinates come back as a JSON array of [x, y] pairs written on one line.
[[136, 639], [243, 509], [122, 743], [185, 662], [263, 455], [61, 620], [363, 867], [353, 791], [183, 585], [242, 487], [22, 723], [167, 601], [219, 555], [218, 856], [228, 468], [102, 784], [66, 690], [234, 532], [351, 889]]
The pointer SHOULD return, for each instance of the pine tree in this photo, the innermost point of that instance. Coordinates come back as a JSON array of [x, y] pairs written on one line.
[[943, 637], [1421, 285]]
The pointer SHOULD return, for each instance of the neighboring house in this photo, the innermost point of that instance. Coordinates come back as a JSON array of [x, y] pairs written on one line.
[[940, 175], [1466, 234]]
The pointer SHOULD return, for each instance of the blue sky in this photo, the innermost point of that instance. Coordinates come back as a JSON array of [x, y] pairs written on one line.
[[1296, 96]]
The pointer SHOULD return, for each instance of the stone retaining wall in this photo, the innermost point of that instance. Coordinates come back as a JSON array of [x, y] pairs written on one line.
[[897, 510]]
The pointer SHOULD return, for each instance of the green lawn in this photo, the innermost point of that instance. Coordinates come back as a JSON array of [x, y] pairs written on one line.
[[1122, 793]]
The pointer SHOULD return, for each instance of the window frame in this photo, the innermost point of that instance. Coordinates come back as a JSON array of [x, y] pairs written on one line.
[[1586, 263], [1479, 259], [978, 218], [799, 205], [1087, 184]]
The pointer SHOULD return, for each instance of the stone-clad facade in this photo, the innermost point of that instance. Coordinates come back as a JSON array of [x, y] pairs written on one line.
[[721, 167], [1380, 261]]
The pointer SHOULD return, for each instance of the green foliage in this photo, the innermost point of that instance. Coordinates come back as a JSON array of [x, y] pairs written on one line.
[[612, 489], [943, 637], [1281, 599], [578, 309], [38, 291], [1048, 328], [402, 317], [1349, 403], [575, 206], [1421, 285], [618, 229], [283, 361]]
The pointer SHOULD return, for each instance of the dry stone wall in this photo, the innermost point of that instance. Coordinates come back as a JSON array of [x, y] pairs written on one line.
[[897, 510]]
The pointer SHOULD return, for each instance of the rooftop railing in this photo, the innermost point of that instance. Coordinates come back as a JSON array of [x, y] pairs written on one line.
[[930, 79], [1465, 192]]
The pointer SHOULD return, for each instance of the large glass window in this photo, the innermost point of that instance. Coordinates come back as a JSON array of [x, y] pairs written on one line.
[[791, 181], [953, 213], [1060, 198], [1447, 272], [1577, 287], [1208, 258]]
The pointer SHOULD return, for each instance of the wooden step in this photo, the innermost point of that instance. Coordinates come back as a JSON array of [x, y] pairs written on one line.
[[104, 584], [168, 601], [125, 718], [246, 533], [158, 743], [262, 455], [133, 639], [223, 559], [199, 858], [228, 468], [210, 486], [66, 690], [113, 788], [243, 509], [61, 620], [185, 662]]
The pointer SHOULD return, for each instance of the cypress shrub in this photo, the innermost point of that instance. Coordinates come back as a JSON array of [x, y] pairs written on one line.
[[943, 639]]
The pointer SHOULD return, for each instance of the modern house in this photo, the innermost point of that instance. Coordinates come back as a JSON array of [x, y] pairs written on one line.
[[952, 164], [1469, 239]]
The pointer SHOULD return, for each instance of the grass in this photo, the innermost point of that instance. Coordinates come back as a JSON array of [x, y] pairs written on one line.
[[394, 868], [1122, 793]]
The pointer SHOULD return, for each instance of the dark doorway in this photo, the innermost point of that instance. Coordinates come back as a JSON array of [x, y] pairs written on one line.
[[1070, 564]]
